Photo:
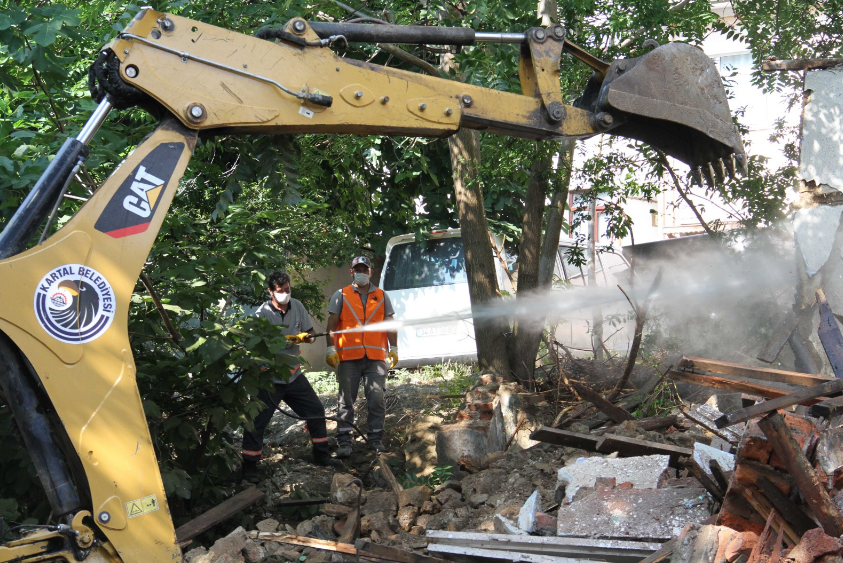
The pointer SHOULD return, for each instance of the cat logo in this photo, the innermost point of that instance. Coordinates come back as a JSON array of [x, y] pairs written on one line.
[[145, 191], [134, 203]]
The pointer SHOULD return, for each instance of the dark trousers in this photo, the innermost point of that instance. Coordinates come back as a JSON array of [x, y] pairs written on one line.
[[302, 400], [349, 375]]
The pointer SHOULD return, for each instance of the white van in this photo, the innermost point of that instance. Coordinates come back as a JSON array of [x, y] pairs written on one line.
[[425, 279]]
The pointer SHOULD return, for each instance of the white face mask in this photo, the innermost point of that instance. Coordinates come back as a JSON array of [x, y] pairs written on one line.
[[282, 298], [361, 278]]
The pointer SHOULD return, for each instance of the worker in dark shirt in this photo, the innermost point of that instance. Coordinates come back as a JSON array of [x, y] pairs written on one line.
[[293, 320]]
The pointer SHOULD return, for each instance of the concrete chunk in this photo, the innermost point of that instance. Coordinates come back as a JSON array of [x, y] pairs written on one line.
[[704, 454], [458, 441], [504, 525], [633, 514], [527, 514], [644, 472]]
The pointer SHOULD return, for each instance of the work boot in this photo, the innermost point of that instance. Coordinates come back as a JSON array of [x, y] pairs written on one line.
[[251, 473], [325, 460], [344, 450], [377, 445]]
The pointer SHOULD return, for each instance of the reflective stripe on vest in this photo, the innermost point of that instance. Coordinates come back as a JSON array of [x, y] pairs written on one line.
[[356, 345]]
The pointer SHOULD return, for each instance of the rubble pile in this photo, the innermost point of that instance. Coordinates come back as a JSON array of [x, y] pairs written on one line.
[[700, 484]]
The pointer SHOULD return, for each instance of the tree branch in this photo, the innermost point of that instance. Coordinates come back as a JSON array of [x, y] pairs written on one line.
[[147, 283], [683, 195]]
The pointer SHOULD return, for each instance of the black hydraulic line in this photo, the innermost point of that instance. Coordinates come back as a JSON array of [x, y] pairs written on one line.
[[406, 34], [35, 428], [40, 201]]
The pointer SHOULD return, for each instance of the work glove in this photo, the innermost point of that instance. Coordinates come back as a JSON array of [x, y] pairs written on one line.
[[300, 338], [393, 357], [331, 357]]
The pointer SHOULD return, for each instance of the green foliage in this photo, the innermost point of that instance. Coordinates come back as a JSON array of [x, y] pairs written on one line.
[[439, 475]]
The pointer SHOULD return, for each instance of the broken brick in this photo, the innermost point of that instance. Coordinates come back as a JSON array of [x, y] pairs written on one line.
[[814, 544]]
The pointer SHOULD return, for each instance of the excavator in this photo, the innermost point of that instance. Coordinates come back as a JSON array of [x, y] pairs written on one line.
[[66, 364]]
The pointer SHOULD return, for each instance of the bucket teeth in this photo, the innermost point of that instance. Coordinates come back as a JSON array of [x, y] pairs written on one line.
[[730, 165], [708, 174], [696, 176], [720, 170]]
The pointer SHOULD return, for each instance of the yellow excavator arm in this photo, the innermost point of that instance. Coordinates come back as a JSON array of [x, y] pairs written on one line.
[[66, 366]]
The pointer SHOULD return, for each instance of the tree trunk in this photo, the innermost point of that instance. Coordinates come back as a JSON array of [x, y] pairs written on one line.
[[479, 261], [527, 331], [556, 215]]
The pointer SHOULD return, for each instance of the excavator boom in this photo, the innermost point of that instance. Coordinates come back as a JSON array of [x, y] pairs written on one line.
[[66, 366]]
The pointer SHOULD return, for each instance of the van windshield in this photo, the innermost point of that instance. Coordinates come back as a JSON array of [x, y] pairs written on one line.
[[425, 263]]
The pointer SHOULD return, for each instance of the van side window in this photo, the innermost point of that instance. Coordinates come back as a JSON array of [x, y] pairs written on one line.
[[425, 263]]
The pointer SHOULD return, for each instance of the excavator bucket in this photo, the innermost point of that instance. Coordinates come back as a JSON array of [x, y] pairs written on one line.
[[671, 98]]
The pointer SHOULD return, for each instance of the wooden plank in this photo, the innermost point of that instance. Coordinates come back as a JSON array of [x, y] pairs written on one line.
[[218, 514], [651, 423], [558, 437], [608, 443], [789, 510], [367, 547], [752, 372], [730, 384], [614, 412], [631, 447], [828, 409], [352, 527], [798, 466], [386, 472], [801, 396], [830, 336], [377, 555]]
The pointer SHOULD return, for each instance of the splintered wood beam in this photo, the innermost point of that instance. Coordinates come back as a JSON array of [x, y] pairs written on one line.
[[351, 528], [219, 513], [752, 372], [830, 336], [609, 443], [388, 475], [614, 412], [800, 64], [789, 510], [784, 444], [828, 409], [757, 388], [795, 398]]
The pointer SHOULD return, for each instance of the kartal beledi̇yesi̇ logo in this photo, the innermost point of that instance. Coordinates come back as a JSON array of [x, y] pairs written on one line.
[[74, 304]]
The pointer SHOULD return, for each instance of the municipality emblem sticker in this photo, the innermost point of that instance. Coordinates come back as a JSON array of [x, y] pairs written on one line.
[[74, 304]]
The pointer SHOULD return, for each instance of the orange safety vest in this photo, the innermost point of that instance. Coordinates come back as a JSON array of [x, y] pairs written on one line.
[[355, 345]]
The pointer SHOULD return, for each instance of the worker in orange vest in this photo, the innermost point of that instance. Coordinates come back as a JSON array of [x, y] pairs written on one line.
[[360, 356]]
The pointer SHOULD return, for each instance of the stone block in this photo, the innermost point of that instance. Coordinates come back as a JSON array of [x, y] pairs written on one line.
[[649, 514], [829, 452], [319, 527], [335, 510], [477, 500], [253, 552], [192, 555], [708, 414], [511, 417], [379, 523], [380, 501], [460, 440], [341, 491], [643, 472], [230, 545], [448, 496], [268, 525], [414, 496], [813, 545], [407, 517], [420, 445]]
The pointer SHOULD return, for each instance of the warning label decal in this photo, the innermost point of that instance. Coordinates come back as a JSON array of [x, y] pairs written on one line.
[[142, 506]]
